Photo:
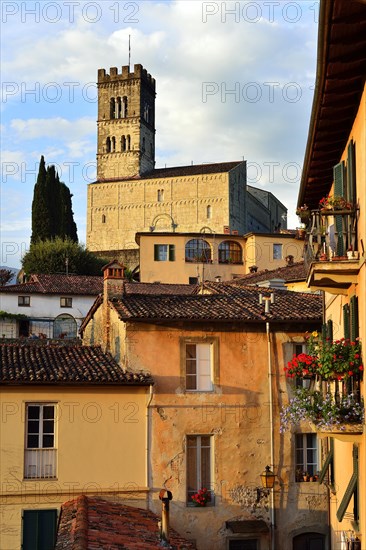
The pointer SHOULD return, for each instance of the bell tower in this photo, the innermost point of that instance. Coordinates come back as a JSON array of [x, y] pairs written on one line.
[[126, 123]]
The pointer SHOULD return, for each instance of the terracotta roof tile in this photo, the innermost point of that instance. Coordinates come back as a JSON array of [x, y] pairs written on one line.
[[158, 288], [85, 285], [295, 272], [58, 364], [92, 523], [225, 302]]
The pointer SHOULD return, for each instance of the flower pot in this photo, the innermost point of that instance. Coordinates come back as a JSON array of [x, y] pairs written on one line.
[[353, 254]]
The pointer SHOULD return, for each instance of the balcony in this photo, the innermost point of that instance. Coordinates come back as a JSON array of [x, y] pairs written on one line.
[[330, 251]]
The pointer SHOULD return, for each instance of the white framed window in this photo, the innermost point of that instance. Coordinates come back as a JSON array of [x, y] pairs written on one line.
[[306, 456], [24, 301], [199, 367], [277, 251], [199, 465], [65, 301], [40, 450], [164, 252]]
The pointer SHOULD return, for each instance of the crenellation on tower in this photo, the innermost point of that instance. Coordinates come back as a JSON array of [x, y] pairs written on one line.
[[138, 73], [126, 123]]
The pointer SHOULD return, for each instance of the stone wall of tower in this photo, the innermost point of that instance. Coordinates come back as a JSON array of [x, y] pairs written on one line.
[[126, 123], [117, 210]]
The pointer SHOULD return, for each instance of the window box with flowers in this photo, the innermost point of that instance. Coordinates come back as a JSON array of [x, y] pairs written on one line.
[[333, 399], [334, 202], [201, 498]]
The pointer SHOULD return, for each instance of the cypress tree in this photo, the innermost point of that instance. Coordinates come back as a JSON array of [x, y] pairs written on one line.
[[52, 214], [40, 211]]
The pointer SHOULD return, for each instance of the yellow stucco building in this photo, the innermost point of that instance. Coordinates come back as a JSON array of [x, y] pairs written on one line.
[[335, 174], [72, 423]]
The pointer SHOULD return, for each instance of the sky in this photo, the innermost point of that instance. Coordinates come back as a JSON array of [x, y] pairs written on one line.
[[235, 80]]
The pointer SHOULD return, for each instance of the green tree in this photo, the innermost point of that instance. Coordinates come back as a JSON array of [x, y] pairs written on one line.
[[52, 214], [40, 210], [60, 255]]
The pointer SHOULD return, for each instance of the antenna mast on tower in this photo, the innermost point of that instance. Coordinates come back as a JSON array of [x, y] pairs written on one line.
[[129, 51]]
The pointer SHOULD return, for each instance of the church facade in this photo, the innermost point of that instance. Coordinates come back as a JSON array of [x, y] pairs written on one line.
[[131, 195]]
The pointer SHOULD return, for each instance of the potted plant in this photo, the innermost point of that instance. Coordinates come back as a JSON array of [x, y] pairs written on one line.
[[352, 254], [304, 213], [334, 202], [202, 497]]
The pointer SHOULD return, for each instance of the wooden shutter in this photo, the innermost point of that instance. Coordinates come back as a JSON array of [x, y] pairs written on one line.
[[339, 190], [352, 490], [351, 172], [39, 529], [330, 329], [156, 252], [346, 322], [172, 252], [354, 317], [328, 462]]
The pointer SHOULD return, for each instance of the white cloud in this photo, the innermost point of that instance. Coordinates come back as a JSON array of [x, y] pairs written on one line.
[[57, 128]]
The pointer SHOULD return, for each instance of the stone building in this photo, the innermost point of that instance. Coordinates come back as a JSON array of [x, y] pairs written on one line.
[[131, 195], [216, 355]]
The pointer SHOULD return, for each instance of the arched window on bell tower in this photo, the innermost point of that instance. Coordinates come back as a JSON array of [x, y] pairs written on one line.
[[113, 147], [108, 145], [128, 143], [123, 144], [124, 107], [112, 108], [119, 108]]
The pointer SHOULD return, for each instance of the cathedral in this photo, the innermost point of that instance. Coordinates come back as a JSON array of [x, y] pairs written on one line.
[[131, 195]]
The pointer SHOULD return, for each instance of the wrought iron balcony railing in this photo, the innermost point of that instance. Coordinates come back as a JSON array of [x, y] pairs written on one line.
[[331, 235]]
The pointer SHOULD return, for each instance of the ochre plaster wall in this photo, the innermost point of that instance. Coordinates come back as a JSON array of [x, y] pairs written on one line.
[[236, 414], [101, 449]]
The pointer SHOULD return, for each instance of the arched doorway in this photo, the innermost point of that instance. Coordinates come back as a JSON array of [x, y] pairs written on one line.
[[309, 541], [65, 327]]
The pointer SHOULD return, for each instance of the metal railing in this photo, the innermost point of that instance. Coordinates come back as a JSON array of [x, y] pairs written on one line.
[[40, 463]]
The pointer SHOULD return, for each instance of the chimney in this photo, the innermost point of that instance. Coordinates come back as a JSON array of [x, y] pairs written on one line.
[[113, 276], [289, 259], [113, 286], [218, 279], [253, 269], [164, 533]]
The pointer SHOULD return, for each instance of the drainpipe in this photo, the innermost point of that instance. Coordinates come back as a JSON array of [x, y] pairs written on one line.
[[148, 439], [272, 509]]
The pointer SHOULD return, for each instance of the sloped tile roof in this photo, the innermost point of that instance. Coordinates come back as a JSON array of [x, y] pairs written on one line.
[[92, 523], [63, 365], [82, 285], [294, 272], [224, 302], [177, 171], [158, 288]]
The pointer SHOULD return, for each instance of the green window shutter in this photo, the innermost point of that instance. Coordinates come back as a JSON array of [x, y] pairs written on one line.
[[354, 317], [330, 329], [156, 252], [328, 461], [346, 322], [39, 529], [339, 191], [351, 172], [352, 489], [339, 179], [172, 252]]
